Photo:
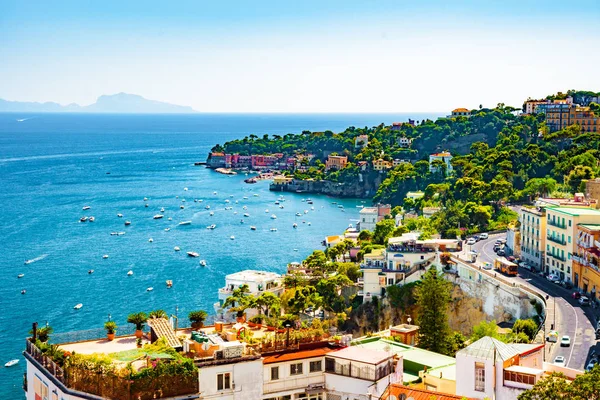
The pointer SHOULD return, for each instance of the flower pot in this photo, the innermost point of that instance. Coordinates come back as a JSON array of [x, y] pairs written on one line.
[[139, 333], [110, 336], [259, 325], [139, 346], [270, 328], [280, 330], [251, 324], [241, 319], [197, 325]]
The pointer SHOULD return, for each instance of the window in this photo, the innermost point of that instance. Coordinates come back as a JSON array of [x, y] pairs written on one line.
[[224, 381], [315, 366], [274, 373], [480, 377], [569, 222], [296, 369]]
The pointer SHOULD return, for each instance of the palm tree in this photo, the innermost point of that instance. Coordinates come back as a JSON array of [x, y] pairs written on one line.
[[157, 314], [239, 300], [138, 319], [197, 318]]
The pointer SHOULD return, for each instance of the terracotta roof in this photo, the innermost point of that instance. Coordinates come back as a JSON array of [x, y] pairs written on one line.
[[460, 110], [297, 355], [418, 394]]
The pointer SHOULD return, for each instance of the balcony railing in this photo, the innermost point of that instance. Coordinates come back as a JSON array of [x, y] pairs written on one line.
[[556, 240], [286, 384], [557, 224], [556, 256]]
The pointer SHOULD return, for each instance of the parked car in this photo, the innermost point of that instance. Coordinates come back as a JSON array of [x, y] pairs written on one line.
[[471, 241], [584, 301], [566, 284], [552, 337], [501, 252], [524, 265], [553, 278], [560, 360], [487, 265], [576, 295], [484, 235], [593, 361], [477, 238], [565, 341]]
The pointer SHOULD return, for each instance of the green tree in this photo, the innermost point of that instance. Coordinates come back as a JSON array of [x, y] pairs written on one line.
[[383, 230], [484, 329], [553, 387], [240, 300], [433, 297], [267, 301], [527, 326], [540, 187], [576, 177], [365, 236], [157, 314]]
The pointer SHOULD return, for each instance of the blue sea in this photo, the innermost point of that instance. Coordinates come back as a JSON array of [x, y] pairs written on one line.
[[52, 165]]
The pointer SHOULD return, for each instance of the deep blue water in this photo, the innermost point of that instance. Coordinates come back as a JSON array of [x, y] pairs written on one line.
[[51, 165]]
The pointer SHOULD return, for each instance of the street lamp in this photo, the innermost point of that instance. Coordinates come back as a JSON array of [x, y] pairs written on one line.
[[287, 337]]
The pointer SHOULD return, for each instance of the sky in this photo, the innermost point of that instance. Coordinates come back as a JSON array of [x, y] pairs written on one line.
[[299, 56]]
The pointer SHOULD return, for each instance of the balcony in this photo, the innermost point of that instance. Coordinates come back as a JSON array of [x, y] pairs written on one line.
[[556, 240], [557, 257], [290, 383], [597, 244], [557, 224]]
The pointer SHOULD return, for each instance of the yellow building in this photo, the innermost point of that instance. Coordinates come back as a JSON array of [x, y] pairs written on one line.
[[561, 232], [382, 165], [281, 179], [586, 260], [559, 116]]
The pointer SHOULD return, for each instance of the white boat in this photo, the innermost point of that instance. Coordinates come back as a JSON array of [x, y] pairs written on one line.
[[185, 223], [252, 228], [11, 363], [245, 208], [90, 271], [145, 199], [162, 210], [169, 284], [20, 276], [273, 216], [167, 229], [105, 256], [235, 213], [267, 210], [277, 202], [213, 226], [129, 273], [29, 262], [182, 207], [127, 223], [211, 213], [236, 202], [303, 200], [183, 200], [158, 216], [150, 289], [203, 263], [185, 189], [91, 219], [151, 240], [83, 219], [86, 208], [78, 306], [169, 219], [340, 206], [281, 206], [200, 201], [207, 207], [309, 223], [312, 208], [295, 225], [246, 215], [120, 215], [231, 195], [23, 291], [305, 211], [232, 237], [245, 197], [255, 194], [241, 221], [227, 201], [120, 233], [273, 229], [193, 254], [295, 249], [146, 205], [298, 214], [176, 248], [195, 200]]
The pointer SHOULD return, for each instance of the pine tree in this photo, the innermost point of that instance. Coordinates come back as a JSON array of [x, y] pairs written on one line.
[[433, 297]]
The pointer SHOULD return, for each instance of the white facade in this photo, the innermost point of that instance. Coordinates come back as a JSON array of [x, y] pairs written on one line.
[[361, 141], [41, 386], [368, 218], [294, 378], [444, 157], [404, 141], [258, 282], [235, 380], [533, 238]]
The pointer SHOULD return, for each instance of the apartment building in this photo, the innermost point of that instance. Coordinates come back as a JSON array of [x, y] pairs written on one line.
[[561, 230], [258, 282], [559, 116], [382, 165], [533, 238], [586, 260], [405, 142], [370, 216]]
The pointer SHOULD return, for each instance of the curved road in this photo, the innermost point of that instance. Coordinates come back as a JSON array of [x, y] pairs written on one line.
[[568, 317]]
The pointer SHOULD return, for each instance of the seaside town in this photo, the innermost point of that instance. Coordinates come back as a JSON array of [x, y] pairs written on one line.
[[474, 274]]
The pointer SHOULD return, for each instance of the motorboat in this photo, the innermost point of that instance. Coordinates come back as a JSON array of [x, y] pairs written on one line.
[[146, 205], [232, 237], [105, 256], [150, 240], [20, 276], [276, 202], [298, 214], [11, 363], [120, 215], [227, 201], [29, 262], [281, 206], [241, 221], [169, 283], [310, 202], [244, 208], [183, 200], [127, 223], [185, 223], [273, 216], [185, 189], [91, 219], [309, 224], [207, 207], [78, 306], [214, 192], [23, 291], [120, 233], [200, 200], [231, 195], [182, 207], [158, 216], [255, 194], [90, 271], [203, 263], [295, 249], [235, 213], [312, 208], [145, 199], [162, 209], [195, 200], [211, 213], [193, 254], [169, 219], [295, 225], [176, 248], [150, 289], [267, 210], [303, 200], [273, 229], [129, 273], [213, 226], [236, 202], [340, 206], [246, 215], [83, 219], [245, 197], [252, 228], [167, 229], [86, 208], [305, 211]]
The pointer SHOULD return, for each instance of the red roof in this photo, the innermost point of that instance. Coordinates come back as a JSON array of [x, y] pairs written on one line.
[[419, 394], [297, 355]]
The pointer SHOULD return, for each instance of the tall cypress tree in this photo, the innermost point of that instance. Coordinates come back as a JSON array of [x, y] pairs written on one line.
[[433, 296]]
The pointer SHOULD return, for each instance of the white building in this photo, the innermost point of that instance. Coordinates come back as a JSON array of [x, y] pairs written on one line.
[[405, 142], [258, 282], [444, 157], [370, 216], [533, 237], [361, 141], [231, 379], [496, 370]]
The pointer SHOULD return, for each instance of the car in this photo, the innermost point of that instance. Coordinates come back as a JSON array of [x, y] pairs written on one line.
[[584, 301], [598, 325], [471, 241], [552, 337], [591, 364], [560, 360], [496, 248], [524, 265], [566, 284], [552, 278], [565, 341], [477, 238], [487, 265], [501, 252], [576, 295], [484, 235]]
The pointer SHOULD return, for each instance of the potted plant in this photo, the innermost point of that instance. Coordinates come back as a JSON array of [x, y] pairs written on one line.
[[336, 339], [270, 322], [197, 318], [139, 342], [158, 314], [138, 319], [111, 329], [256, 321]]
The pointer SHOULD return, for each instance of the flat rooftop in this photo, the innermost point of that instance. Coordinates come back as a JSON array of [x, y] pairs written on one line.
[[252, 275], [574, 211], [297, 355], [367, 356]]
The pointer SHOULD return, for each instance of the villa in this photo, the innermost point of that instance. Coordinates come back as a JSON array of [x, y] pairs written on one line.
[[258, 282]]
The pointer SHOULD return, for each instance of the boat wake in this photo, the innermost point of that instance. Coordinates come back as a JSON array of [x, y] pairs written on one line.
[[39, 258], [25, 119]]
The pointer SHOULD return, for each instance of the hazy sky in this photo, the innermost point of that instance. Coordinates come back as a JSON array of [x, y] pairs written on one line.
[[299, 55]]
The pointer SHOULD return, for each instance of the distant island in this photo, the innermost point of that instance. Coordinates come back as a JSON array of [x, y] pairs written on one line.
[[116, 103]]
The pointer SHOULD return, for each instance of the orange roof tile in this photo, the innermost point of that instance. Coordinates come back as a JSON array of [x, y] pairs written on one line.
[[418, 394], [460, 110], [297, 355]]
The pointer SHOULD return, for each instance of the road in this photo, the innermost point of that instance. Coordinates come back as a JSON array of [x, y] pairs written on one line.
[[563, 311]]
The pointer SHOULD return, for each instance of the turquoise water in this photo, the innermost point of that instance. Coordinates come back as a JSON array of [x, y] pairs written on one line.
[[53, 165]]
